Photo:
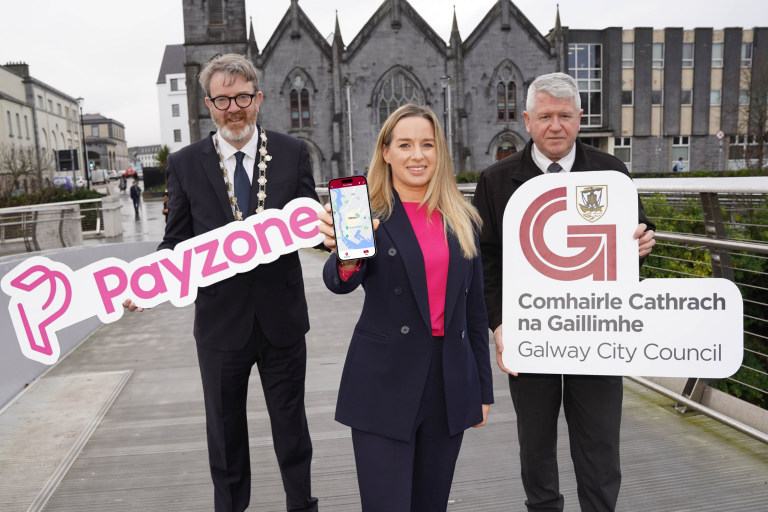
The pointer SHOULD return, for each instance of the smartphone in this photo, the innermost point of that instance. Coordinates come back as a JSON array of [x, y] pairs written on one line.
[[352, 223]]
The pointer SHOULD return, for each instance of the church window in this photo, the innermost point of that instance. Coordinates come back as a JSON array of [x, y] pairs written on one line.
[[396, 91], [215, 14], [300, 117], [506, 93]]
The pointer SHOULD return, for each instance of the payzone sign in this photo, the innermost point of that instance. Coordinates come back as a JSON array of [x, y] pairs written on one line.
[[573, 301], [47, 296]]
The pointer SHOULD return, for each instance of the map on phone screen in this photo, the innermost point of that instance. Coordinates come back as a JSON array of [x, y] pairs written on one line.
[[352, 220]]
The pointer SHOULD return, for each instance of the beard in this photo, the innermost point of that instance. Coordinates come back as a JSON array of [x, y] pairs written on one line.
[[243, 132]]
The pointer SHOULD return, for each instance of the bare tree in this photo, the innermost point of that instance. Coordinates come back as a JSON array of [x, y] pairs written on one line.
[[753, 118], [17, 165]]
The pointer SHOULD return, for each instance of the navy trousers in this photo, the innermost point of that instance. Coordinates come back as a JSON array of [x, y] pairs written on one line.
[[225, 388], [395, 476], [593, 411]]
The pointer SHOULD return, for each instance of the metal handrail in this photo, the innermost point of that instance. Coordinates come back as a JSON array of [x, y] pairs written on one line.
[[722, 418], [22, 223]]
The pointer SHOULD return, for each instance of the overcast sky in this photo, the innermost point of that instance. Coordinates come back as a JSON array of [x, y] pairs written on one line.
[[110, 52]]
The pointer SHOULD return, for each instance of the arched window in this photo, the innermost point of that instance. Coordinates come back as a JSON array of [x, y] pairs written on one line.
[[396, 91], [506, 94], [300, 109]]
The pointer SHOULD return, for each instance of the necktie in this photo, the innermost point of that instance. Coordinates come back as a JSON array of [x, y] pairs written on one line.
[[552, 169], [242, 185]]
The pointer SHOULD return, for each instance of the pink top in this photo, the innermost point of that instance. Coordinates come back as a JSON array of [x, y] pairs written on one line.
[[434, 248]]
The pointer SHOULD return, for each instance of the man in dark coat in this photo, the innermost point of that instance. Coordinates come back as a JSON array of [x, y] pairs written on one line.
[[258, 317], [592, 403], [136, 197]]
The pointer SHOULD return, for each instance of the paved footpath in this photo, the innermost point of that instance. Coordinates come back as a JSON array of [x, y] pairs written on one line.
[[149, 451]]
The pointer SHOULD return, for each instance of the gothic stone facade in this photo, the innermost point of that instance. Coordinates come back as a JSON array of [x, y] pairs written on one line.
[[396, 58]]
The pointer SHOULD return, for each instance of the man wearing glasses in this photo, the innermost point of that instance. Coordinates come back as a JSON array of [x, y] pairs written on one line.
[[259, 317]]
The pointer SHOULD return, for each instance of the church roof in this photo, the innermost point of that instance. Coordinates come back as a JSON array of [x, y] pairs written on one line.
[[173, 61], [516, 14], [285, 24], [380, 15]]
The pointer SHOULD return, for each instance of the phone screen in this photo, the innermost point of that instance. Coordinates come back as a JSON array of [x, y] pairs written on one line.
[[352, 221]]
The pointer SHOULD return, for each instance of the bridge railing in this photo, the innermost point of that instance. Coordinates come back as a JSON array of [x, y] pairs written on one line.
[[48, 226]]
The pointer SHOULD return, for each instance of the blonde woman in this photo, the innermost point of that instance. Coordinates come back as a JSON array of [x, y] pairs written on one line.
[[418, 369]]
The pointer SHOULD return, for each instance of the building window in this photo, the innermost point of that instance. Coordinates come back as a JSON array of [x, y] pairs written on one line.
[[10, 124], [658, 55], [622, 149], [40, 102], [657, 98], [58, 108], [66, 112], [176, 135], [627, 98], [50, 106], [687, 55], [18, 124], [396, 91], [714, 97], [175, 110], [743, 97], [717, 55], [506, 93], [746, 55], [627, 55], [680, 149], [174, 84], [95, 130], [300, 117], [26, 126], [686, 97], [585, 65]]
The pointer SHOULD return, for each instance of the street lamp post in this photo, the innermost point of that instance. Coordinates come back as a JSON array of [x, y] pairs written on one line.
[[86, 168], [446, 83], [661, 116]]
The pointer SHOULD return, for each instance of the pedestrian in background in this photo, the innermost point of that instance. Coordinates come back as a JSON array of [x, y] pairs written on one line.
[[679, 166], [136, 197], [123, 184], [165, 206]]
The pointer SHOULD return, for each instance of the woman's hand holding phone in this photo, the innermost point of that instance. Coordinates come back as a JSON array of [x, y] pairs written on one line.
[[326, 228]]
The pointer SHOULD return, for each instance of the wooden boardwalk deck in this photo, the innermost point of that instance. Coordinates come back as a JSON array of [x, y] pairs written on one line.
[[149, 451]]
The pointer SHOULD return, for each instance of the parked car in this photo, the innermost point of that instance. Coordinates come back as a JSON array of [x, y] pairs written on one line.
[[65, 182], [112, 175], [120, 173], [140, 174], [98, 176], [130, 173]]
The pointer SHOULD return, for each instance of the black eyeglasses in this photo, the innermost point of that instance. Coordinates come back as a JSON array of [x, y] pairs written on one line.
[[241, 100]]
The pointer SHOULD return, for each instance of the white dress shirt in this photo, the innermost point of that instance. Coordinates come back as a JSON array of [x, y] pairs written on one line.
[[250, 149], [543, 162]]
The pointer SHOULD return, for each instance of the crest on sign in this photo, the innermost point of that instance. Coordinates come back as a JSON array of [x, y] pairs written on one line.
[[592, 201]]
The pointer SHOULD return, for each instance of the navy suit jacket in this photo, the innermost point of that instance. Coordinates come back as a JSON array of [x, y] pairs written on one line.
[[391, 348], [272, 292]]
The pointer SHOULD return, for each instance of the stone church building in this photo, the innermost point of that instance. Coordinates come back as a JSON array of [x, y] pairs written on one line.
[[396, 58]]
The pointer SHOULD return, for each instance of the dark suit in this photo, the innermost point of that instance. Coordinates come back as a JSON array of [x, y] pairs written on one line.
[[592, 403], [395, 370], [258, 317]]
